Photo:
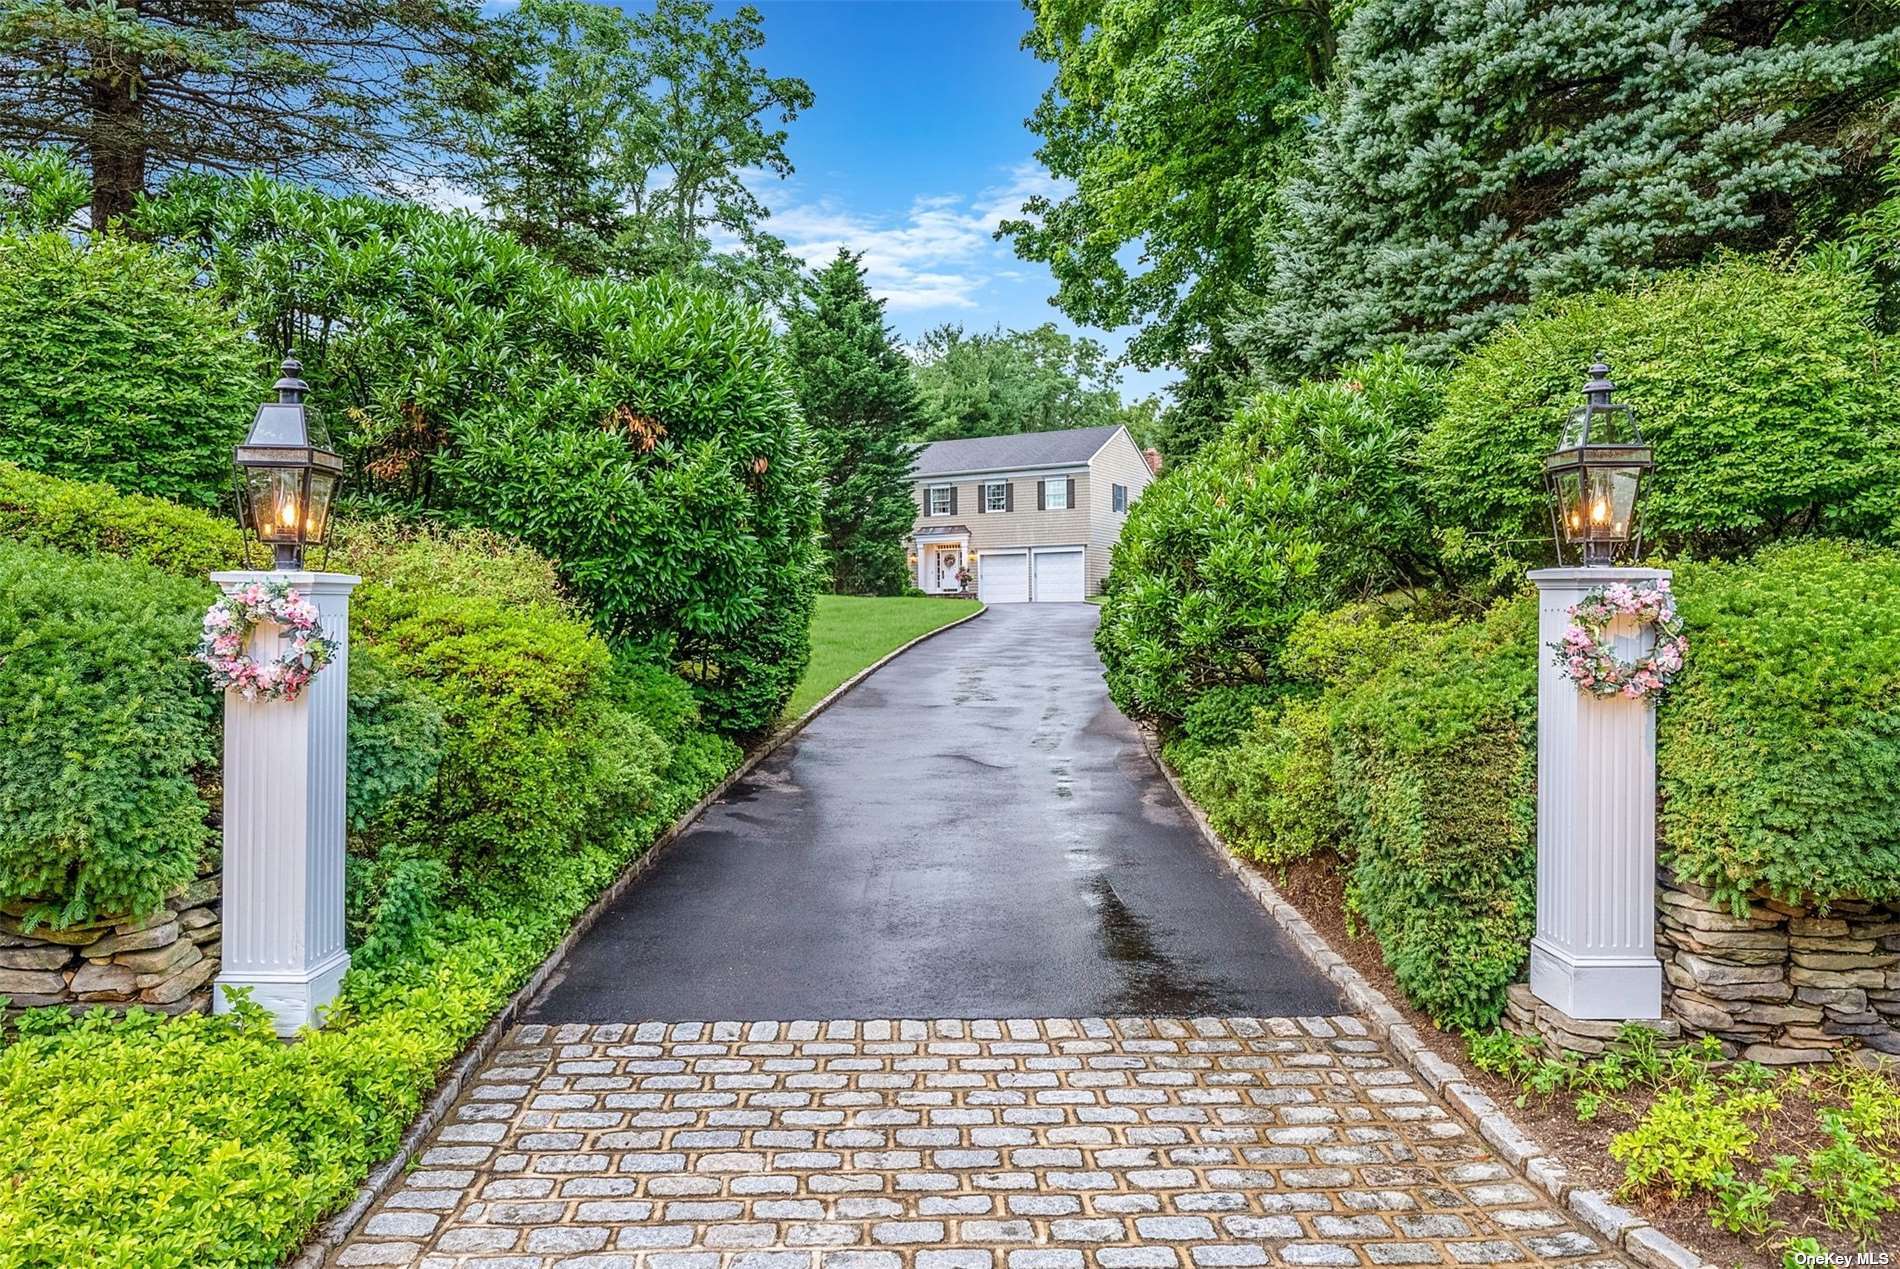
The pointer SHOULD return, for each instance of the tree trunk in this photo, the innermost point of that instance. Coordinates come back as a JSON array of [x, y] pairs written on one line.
[[117, 142]]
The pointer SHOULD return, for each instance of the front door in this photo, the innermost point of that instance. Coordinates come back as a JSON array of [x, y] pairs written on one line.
[[949, 559]]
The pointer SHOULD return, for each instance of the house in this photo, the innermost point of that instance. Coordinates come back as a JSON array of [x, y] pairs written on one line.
[[1028, 518]]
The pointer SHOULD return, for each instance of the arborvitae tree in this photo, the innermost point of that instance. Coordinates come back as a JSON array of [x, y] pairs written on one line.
[[1478, 156], [855, 385]]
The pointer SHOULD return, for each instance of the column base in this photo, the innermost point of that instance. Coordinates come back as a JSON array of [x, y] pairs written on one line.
[[293, 999], [1610, 988]]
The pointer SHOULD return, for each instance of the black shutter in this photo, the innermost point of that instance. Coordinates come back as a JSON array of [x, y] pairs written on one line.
[[982, 498], [953, 500], [926, 502], [1009, 496], [1042, 496], [1072, 493]]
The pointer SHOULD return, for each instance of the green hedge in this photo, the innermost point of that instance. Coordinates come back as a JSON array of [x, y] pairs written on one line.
[[644, 435], [105, 729], [1306, 501], [1435, 769], [96, 519], [114, 366], [1778, 750], [1770, 401], [504, 767], [1407, 746]]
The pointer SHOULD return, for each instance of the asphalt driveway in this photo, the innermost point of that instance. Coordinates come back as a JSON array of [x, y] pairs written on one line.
[[974, 831]]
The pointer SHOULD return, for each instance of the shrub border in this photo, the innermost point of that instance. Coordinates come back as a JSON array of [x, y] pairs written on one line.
[[331, 1233], [1624, 1229]]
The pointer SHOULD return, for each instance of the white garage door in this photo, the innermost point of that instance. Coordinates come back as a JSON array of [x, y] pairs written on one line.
[[1003, 577], [1058, 575]]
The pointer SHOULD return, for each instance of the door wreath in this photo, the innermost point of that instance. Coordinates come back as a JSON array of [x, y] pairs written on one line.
[[227, 628], [1591, 663]]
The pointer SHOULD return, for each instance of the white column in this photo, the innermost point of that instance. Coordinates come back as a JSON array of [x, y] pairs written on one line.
[[283, 823], [1594, 955]]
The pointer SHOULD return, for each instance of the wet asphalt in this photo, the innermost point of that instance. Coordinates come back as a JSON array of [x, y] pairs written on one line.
[[974, 831]]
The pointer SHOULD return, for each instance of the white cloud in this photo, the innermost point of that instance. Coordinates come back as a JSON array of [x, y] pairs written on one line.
[[939, 254]]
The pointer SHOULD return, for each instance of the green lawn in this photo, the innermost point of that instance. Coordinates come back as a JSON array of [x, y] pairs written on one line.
[[848, 632]]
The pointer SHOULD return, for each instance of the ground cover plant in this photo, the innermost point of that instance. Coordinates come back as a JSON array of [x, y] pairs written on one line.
[[1784, 1162], [505, 763]]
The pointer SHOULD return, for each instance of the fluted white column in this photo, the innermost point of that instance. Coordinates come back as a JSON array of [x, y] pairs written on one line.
[[1594, 955], [283, 822]]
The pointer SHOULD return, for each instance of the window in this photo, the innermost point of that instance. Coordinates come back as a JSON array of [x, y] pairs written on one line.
[[940, 500], [1055, 493], [1118, 497], [996, 496]]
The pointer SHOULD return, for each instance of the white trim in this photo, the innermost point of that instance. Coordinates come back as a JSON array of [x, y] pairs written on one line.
[[999, 473], [1058, 482], [983, 488], [930, 506]]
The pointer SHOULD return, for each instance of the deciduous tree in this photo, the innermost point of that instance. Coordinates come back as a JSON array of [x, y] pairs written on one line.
[[995, 383], [1176, 122], [622, 142]]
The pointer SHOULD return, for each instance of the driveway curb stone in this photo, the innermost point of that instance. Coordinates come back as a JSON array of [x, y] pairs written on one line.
[[331, 1233], [1623, 1228]]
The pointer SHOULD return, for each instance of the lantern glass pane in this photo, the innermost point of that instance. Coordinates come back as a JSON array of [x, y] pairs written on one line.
[[1612, 425], [316, 521], [1570, 513], [1609, 504], [1623, 482], [1576, 428], [276, 502]]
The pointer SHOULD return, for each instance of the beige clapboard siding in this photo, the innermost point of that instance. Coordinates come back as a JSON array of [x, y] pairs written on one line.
[[1025, 526], [1120, 462]]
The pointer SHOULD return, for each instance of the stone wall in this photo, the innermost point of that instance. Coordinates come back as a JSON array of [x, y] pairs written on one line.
[[165, 961], [1782, 984]]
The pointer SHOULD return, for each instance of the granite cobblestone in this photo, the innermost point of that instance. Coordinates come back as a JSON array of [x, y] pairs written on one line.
[[1135, 1143]]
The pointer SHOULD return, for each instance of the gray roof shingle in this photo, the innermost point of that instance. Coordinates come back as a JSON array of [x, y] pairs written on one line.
[[1019, 451]]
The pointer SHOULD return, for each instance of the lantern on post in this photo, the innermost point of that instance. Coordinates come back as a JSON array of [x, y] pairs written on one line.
[[1595, 473], [287, 473]]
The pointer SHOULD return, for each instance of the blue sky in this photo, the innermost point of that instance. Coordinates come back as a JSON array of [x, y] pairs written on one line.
[[915, 148]]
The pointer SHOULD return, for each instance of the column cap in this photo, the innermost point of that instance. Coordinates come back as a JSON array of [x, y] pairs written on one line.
[[1596, 575], [316, 583]]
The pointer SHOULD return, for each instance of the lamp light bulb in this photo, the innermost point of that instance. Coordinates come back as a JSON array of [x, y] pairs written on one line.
[[1600, 509]]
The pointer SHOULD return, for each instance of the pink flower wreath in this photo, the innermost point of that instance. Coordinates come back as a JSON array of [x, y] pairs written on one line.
[[227, 628], [1585, 654]]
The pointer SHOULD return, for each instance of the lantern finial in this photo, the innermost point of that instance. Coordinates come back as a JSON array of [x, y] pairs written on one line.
[[291, 388]]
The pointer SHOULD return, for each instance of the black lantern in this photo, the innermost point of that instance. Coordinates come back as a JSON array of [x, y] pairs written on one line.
[[1594, 474], [287, 473]]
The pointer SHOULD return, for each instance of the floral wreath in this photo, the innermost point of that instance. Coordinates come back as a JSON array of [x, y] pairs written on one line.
[[1585, 654], [227, 628]]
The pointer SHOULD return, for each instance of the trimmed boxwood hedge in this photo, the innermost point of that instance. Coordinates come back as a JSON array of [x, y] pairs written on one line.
[[105, 731], [504, 766], [1408, 748]]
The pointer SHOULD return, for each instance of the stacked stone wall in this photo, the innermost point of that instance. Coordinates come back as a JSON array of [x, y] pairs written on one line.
[[164, 961]]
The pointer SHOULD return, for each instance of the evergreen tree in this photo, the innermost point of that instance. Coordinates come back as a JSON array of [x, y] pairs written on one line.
[[1479, 156], [855, 385], [299, 88]]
